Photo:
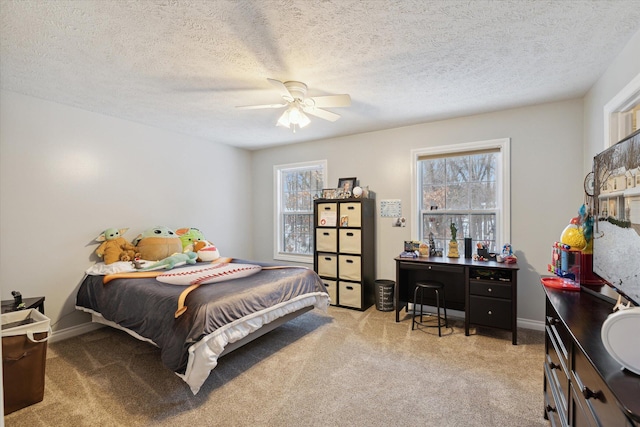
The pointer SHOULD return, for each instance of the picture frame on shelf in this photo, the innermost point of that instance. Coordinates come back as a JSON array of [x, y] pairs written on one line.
[[329, 193], [346, 186]]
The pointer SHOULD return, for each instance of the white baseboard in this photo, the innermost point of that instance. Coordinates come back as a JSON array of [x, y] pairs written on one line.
[[536, 325], [63, 334]]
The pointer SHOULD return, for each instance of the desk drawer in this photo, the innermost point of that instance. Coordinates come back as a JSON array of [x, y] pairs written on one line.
[[327, 265], [326, 240], [353, 213], [350, 267], [492, 312], [489, 289], [350, 241]]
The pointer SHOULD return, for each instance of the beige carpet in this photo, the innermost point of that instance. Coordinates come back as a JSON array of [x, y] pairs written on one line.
[[343, 368]]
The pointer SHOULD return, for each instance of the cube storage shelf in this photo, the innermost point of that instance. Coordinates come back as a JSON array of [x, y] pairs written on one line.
[[344, 252]]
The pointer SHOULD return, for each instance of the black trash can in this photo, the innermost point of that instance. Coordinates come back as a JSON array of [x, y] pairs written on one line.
[[384, 294]]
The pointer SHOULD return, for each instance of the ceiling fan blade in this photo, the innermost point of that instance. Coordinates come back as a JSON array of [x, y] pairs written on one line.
[[256, 107], [323, 114], [284, 92], [331, 101]]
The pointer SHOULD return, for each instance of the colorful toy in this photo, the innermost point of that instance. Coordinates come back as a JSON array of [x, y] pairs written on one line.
[[206, 251], [157, 243], [114, 247]]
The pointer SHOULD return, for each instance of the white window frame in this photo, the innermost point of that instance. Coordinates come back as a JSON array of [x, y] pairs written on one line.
[[503, 217], [277, 216], [626, 99]]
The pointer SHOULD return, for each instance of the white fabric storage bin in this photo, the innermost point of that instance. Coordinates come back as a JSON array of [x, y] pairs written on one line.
[[326, 240], [327, 214], [350, 294], [353, 212], [327, 265], [332, 289], [350, 241], [349, 267]]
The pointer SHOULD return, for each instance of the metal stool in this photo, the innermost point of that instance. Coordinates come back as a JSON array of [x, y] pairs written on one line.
[[437, 287]]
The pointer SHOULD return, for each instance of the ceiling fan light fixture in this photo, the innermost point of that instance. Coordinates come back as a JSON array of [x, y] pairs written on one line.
[[293, 116]]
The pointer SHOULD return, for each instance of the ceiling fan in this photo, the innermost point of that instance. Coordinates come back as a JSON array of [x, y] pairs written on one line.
[[294, 97]]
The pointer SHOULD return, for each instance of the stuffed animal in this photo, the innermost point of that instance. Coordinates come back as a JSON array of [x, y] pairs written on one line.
[[206, 251], [172, 261], [157, 243], [188, 236], [114, 247]]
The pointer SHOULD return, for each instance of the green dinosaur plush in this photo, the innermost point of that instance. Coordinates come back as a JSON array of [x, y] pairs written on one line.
[[170, 262]]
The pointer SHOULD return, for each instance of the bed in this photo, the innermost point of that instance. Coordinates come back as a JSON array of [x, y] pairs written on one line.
[[219, 318]]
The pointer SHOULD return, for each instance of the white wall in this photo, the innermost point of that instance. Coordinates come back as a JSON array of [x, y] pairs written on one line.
[[623, 70], [68, 174], [546, 181]]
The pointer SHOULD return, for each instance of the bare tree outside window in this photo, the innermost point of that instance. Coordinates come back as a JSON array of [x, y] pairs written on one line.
[[297, 186], [459, 189]]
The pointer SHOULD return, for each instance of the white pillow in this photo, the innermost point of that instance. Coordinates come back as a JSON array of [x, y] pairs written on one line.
[[210, 273]]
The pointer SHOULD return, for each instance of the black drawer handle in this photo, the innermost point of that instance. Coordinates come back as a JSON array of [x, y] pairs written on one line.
[[327, 258], [327, 208], [550, 408], [588, 394], [350, 208], [349, 261], [350, 288], [350, 234], [553, 365], [325, 234]]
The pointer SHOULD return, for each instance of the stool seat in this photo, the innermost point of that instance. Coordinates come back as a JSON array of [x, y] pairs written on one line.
[[437, 287]]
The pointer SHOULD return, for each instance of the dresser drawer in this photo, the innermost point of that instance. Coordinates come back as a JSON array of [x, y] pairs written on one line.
[[350, 294], [327, 265], [557, 367], [349, 267], [327, 214], [593, 394], [326, 240], [490, 289], [350, 241], [492, 312], [332, 289], [552, 395], [353, 213], [559, 332]]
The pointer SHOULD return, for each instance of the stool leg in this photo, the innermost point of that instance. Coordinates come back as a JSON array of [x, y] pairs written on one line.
[[444, 304], [438, 306], [413, 312]]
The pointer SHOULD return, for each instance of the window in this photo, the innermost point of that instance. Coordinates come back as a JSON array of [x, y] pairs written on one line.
[[463, 184], [295, 186]]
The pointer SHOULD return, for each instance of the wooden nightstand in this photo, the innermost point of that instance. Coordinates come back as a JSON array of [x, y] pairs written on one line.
[[37, 302]]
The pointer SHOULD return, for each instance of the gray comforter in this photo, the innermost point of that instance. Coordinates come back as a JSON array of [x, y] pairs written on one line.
[[147, 306]]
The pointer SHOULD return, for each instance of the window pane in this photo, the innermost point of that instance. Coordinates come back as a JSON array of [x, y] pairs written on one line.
[[459, 189], [298, 185]]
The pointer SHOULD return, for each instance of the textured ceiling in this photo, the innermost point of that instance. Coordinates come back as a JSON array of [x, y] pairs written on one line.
[[185, 65]]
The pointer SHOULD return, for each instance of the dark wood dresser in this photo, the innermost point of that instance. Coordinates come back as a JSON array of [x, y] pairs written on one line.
[[583, 384]]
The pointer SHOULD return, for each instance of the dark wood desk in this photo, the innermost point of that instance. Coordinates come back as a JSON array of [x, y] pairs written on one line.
[[38, 302], [485, 290]]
